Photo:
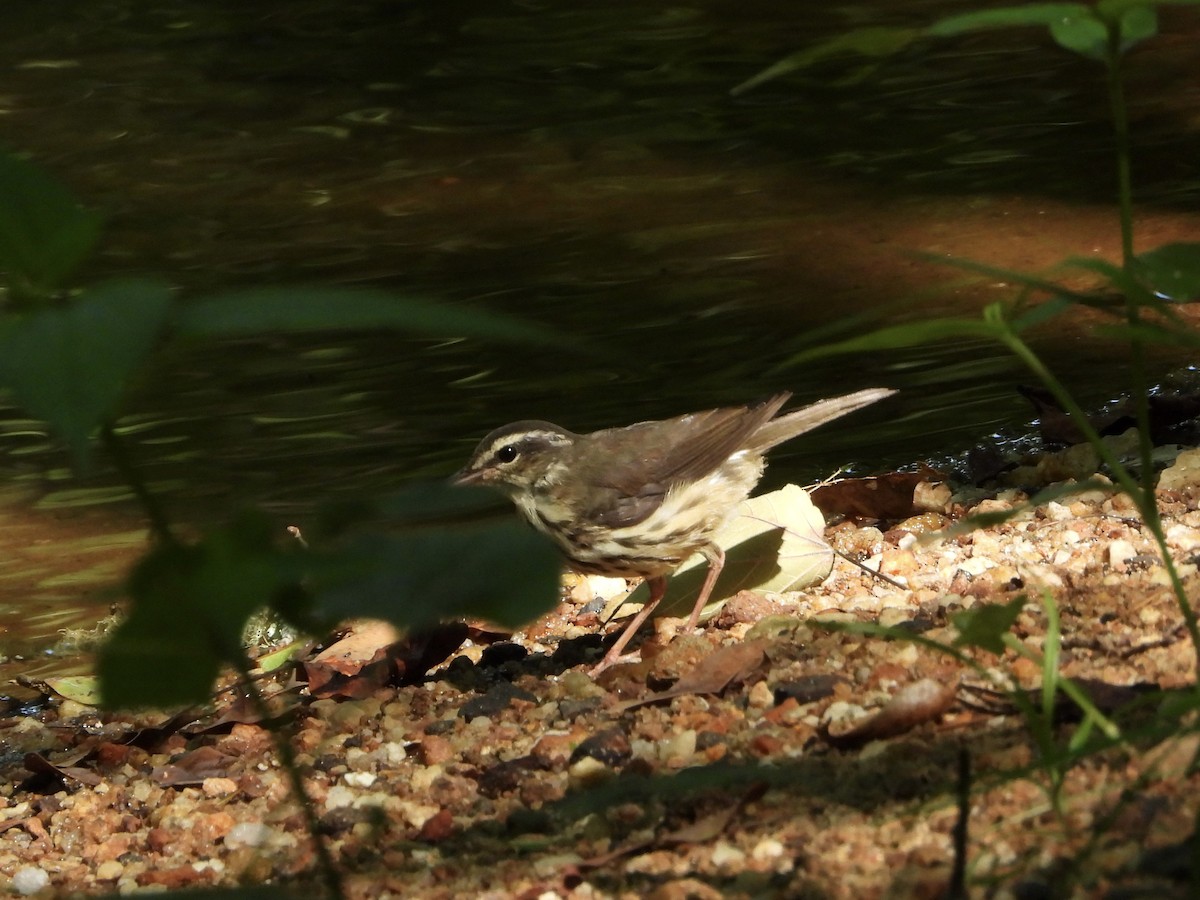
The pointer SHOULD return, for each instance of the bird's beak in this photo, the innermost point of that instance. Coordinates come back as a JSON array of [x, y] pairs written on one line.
[[463, 477]]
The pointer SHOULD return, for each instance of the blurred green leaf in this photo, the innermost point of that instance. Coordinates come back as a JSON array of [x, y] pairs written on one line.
[[985, 625], [190, 606], [268, 310], [1041, 313], [1137, 24], [1082, 34], [416, 504], [501, 571], [930, 331], [68, 365], [44, 232], [1172, 271], [876, 42], [433, 501], [1008, 17]]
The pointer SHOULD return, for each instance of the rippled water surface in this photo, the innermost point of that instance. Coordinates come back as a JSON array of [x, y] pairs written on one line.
[[582, 164]]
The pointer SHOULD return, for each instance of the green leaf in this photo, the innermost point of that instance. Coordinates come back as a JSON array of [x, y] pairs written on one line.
[[874, 42], [501, 571], [69, 365], [985, 625], [269, 310], [1172, 271], [1136, 25], [44, 232], [930, 331], [1007, 17], [190, 606], [1082, 34], [416, 504], [83, 689]]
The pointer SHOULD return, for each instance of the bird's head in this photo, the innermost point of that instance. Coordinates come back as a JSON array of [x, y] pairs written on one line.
[[516, 457]]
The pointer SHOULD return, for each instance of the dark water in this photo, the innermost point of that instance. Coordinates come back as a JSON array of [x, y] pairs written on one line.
[[581, 164]]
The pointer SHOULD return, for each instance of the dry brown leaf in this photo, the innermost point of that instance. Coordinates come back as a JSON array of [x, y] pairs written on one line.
[[916, 703], [194, 767], [887, 496], [39, 765], [713, 674]]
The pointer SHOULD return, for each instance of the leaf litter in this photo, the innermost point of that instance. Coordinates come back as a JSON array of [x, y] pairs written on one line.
[[770, 754]]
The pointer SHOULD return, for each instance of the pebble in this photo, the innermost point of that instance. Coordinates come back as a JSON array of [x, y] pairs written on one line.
[[110, 870], [247, 834], [1118, 552], [724, 855], [29, 880]]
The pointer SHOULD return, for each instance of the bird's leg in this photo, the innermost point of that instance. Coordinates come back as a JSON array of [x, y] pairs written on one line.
[[658, 587], [716, 562]]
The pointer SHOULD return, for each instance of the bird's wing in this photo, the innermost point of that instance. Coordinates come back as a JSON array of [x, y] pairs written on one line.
[[630, 470]]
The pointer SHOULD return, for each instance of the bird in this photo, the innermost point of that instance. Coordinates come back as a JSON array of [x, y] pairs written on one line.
[[638, 500]]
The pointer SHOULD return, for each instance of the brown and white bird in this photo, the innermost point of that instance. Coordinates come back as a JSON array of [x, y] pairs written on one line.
[[641, 499]]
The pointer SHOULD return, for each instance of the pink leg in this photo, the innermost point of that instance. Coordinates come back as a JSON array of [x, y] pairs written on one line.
[[658, 587], [716, 562]]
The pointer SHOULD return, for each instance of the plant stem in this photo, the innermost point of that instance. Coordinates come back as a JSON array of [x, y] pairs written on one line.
[[1141, 493], [330, 873], [1120, 123], [160, 526]]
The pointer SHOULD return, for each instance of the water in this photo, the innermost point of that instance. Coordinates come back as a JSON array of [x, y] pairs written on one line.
[[579, 164]]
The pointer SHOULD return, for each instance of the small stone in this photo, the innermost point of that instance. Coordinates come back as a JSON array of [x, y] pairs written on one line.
[[552, 751], [761, 696], [932, 496], [338, 797], [808, 689], [502, 652], [109, 870], [1119, 552], [29, 880], [247, 834], [766, 850], [725, 855], [609, 747], [588, 771], [494, 702], [219, 787], [681, 746]]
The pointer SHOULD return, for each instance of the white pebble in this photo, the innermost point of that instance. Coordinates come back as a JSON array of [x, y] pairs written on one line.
[[30, 880], [767, 849], [339, 796], [725, 854], [247, 834], [1119, 551]]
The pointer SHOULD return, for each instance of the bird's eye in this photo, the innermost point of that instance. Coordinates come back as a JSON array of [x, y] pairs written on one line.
[[507, 453]]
